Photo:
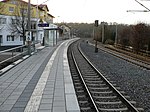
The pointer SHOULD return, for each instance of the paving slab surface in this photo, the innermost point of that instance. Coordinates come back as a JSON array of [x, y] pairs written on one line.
[[41, 83]]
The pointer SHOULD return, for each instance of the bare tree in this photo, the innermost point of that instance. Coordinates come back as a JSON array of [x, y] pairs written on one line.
[[18, 24], [140, 36], [2, 11], [125, 36]]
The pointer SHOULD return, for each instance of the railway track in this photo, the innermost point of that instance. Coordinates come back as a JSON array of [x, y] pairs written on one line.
[[94, 92], [125, 56]]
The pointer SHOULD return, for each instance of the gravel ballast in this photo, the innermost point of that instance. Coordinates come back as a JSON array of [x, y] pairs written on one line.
[[132, 79]]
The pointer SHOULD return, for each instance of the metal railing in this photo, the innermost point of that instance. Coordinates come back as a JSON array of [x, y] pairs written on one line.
[[11, 55]]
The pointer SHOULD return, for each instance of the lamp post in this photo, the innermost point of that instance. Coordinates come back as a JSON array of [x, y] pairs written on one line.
[[116, 36], [37, 16], [103, 23], [29, 28], [29, 15]]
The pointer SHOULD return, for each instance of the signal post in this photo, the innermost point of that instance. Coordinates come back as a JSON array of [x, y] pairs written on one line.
[[95, 35]]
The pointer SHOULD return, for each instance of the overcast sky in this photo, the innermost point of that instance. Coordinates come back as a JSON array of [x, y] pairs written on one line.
[[102, 10]]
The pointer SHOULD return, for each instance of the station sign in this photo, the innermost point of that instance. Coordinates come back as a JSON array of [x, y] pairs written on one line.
[[43, 25]]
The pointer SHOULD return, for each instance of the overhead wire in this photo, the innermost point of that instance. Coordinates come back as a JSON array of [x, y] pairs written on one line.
[[142, 5]]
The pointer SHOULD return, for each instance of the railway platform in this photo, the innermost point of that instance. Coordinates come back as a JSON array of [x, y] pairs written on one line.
[[41, 83]]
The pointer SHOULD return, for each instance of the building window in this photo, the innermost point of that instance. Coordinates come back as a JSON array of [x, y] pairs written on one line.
[[23, 11], [1, 39], [33, 25], [14, 21], [21, 37], [10, 38], [11, 9], [2, 20], [13, 2]]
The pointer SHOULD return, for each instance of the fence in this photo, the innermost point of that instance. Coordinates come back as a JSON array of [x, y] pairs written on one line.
[[11, 55]]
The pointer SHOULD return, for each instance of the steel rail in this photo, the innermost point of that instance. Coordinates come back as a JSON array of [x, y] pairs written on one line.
[[93, 102]]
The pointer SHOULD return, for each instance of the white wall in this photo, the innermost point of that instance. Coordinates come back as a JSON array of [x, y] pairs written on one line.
[[5, 29]]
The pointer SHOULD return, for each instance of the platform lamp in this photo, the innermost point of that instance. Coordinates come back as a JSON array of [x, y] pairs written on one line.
[[37, 18], [95, 35]]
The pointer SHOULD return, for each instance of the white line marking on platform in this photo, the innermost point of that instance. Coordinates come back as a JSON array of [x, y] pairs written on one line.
[[35, 99]]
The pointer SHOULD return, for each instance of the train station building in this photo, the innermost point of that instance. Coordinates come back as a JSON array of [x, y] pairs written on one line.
[[14, 22]]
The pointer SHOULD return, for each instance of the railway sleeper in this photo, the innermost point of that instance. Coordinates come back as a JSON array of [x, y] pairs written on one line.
[[102, 88], [79, 87], [82, 98], [73, 71], [109, 103], [141, 109], [101, 92], [118, 88], [114, 110], [80, 91], [122, 92], [83, 101], [75, 76], [76, 81], [78, 84], [86, 109], [90, 76], [84, 104], [97, 86], [133, 102], [94, 82], [114, 104], [107, 99], [93, 85], [92, 72], [87, 68], [93, 79]]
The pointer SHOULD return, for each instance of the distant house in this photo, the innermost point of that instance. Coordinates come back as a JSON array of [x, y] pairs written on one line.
[[14, 22], [66, 31]]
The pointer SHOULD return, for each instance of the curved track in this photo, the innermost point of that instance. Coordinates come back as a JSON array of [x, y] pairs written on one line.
[[94, 92]]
